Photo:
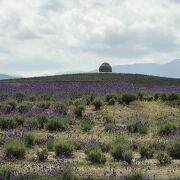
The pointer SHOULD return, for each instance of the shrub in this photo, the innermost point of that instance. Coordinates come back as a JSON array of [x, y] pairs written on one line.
[[163, 97], [140, 96], [127, 156], [96, 156], [109, 127], [120, 100], [32, 98], [156, 96], [30, 124], [97, 103], [8, 122], [63, 148], [166, 129], [9, 106], [66, 174], [163, 158], [112, 101], [42, 155], [117, 151], [127, 98], [173, 96], [136, 175], [55, 124], [79, 110], [24, 108], [61, 108], [174, 150], [15, 148], [29, 139], [138, 127], [146, 151], [42, 119], [44, 105], [86, 125], [50, 144], [20, 96], [6, 172], [110, 96]]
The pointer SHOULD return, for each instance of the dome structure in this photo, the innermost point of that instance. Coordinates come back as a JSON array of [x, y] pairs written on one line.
[[105, 67]]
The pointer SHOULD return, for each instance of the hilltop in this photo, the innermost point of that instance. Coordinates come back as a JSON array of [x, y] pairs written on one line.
[[101, 78]]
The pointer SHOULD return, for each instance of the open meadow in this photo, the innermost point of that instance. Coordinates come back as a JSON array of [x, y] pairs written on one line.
[[128, 128]]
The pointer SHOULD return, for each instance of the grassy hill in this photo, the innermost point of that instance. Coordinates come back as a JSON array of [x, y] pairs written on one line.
[[101, 78]]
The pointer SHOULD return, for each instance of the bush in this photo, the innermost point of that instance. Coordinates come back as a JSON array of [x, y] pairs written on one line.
[[6, 172], [29, 139], [163, 158], [127, 156], [42, 119], [20, 96], [31, 124], [9, 106], [42, 155], [8, 122], [117, 151], [61, 108], [136, 175], [174, 150], [138, 127], [50, 144], [66, 174], [63, 148], [79, 110], [86, 125], [44, 105], [127, 98], [112, 102], [97, 103], [96, 156], [163, 97], [15, 148], [110, 96], [56, 125], [140, 96], [24, 108], [32, 98], [109, 127], [166, 129], [173, 97], [146, 151], [156, 96]]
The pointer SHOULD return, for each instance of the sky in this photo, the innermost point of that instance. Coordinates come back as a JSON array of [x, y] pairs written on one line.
[[43, 37]]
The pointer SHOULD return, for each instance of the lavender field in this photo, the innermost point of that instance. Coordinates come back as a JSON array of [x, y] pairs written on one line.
[[95, 130]]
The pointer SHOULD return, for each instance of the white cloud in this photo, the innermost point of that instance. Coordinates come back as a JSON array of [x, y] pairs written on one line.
[[46, 36]]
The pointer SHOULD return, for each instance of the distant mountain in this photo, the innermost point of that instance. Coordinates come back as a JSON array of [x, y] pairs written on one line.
[[3, 76], [171, 69]]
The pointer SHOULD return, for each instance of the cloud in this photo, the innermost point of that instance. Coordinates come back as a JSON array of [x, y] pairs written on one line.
[[48, 36]]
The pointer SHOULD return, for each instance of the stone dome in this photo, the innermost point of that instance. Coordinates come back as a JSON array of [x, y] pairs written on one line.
[[105, 67]]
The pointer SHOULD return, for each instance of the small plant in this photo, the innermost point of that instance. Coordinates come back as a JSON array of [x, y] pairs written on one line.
[[15, 148], [96, 156], [112, 102], [61, 108], [29, 139], [79, 110], [138, 127], [63, 148], [50, 144], [166, 129], [42, 119], [44, 105], [56, 124], [42, 155], [110, 96], [86, 125], [109, 127], [8, 122], [30, 123], [163, 158], [163, 97], [156, 96], [146, 151], [24, 107], [136, 175], [173, 97], [174, 150], [127, 156], [20, 96], [6, 172], [97, 103], [66, 174], [127, 98]]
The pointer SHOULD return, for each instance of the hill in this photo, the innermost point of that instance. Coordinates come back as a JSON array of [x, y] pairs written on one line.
[[3, 76], [171, 69], [101, 78]]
